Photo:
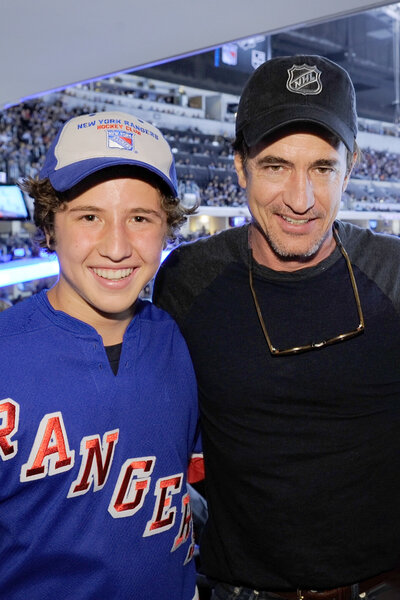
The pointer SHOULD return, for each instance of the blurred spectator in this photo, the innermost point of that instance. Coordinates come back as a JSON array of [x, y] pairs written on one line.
[[4, 304]]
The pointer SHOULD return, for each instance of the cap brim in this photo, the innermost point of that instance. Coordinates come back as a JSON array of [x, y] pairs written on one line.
[[271, 122], [67, 177]]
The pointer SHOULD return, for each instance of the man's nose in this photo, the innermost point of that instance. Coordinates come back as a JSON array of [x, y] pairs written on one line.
[[299, 194]]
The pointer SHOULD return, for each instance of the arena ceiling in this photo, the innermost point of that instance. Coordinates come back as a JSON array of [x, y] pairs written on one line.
[[367, 44], [47, 45]]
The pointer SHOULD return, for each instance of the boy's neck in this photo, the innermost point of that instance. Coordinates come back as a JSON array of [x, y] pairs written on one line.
[[111, 328], [112, 335]]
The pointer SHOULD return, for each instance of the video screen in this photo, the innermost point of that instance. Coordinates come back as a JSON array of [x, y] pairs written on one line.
[[12, 204], [245, 55]]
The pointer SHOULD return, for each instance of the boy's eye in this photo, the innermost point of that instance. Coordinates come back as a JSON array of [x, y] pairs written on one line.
[[89, 217]]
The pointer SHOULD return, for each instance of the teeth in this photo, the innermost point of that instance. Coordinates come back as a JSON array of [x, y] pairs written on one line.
[[113, 274], [295, 221]]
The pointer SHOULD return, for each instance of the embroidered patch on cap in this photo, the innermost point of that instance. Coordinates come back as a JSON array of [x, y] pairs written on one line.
[[119, 139], [304, 80]]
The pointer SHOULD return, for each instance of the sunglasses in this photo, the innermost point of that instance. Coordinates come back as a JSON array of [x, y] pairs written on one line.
[[312, 345]]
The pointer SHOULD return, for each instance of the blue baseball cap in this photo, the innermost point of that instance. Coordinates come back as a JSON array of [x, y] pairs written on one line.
[[92, 142]]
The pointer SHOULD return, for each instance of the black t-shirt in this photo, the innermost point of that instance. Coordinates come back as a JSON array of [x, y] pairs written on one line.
[[302, 452], [113, 355]]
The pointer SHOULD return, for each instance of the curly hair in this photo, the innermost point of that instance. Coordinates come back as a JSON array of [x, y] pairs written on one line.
[[47, 202]]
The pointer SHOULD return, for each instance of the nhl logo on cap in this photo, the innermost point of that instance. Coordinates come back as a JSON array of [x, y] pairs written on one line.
[[304, 79]]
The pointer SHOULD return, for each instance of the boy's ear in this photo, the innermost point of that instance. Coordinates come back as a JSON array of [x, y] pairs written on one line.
[[49, 240]]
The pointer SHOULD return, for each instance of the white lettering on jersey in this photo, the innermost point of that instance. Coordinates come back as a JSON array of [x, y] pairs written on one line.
[[9, 416], [50, 453], [186, 522], [163, 515], [96, 463], [190, 552], [129, 493]]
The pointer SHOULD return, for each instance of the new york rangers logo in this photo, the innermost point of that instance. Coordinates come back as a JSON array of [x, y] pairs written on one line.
[[303, 79], [120, 139]]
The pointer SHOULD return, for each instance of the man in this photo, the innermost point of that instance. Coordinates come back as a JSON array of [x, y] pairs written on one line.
[[293, 326], [97, 393]]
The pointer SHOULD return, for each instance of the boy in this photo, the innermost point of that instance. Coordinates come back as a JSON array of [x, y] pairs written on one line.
[[97, 394]]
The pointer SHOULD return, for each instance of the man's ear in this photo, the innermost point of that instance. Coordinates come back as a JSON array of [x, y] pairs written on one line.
[[347, 178], [240, 170]]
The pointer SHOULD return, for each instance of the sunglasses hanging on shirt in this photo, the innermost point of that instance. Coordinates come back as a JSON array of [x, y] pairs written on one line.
[[312, 345]]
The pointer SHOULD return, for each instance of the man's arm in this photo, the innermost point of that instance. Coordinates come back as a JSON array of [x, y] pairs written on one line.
[[170, 291], [192, 267]]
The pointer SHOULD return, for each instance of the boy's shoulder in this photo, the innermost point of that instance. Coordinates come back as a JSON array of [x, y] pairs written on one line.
[[147, 311], [19, 318]]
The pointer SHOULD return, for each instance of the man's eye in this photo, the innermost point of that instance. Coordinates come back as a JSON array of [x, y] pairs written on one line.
[[324, 170]]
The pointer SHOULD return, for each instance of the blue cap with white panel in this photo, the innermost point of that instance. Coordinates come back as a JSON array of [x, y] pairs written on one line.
[[91, 142]]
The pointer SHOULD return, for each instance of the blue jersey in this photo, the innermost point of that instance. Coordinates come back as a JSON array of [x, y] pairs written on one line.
[[93, 498]]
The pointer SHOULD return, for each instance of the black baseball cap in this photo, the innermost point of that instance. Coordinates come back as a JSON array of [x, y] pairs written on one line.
[[296, 89]]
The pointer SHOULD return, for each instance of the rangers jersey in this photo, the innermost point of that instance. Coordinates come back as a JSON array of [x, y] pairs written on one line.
[[93, 465]]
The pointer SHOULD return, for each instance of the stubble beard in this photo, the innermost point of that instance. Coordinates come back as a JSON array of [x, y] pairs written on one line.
[[284, 253]]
